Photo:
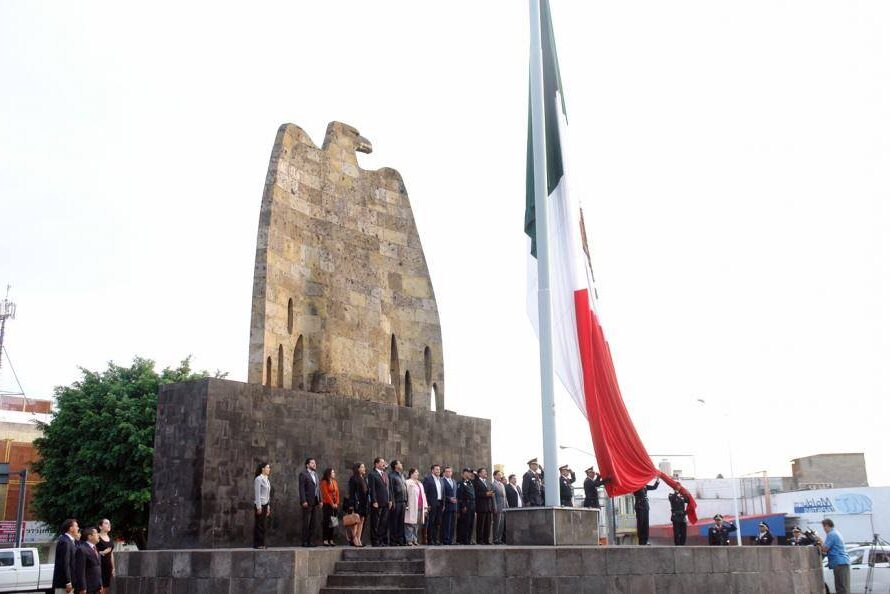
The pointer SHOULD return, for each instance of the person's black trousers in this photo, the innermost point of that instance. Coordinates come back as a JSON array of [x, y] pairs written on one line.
[[448, 526], [643, 526], [259, 527], [379, 527], [397, 523], [465, 526], [309, 514], [679, 533], [327, 512], [483, 528], [434, 524]]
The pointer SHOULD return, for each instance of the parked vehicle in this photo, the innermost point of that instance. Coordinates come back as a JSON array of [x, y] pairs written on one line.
[[861, 558], [21, 571]]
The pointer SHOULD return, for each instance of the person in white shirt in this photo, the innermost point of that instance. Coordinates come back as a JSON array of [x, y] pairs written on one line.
[[262, 494]]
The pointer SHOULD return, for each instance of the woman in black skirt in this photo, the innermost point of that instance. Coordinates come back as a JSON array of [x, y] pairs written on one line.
[[105, 548], [358, 502]]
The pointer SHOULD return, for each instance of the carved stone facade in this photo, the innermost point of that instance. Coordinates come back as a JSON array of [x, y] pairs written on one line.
[[342, 297]]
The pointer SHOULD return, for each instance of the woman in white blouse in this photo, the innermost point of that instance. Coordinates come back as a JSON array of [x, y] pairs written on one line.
[[415, 515], [262, 492]]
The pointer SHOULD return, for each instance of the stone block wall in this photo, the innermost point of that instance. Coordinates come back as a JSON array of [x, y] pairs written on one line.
[[212, 433], [282, 571], [623, 569]]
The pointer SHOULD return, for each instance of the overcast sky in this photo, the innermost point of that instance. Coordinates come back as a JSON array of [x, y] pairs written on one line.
[[732, 160]]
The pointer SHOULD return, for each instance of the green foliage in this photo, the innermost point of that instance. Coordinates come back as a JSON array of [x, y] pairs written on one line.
[[96, 453]]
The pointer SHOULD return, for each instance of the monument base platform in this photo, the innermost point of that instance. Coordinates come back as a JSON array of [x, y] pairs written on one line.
[[554, 526], [472, 569]]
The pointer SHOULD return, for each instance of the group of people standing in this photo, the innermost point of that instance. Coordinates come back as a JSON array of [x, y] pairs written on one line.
[[400, 509], [84, 562]]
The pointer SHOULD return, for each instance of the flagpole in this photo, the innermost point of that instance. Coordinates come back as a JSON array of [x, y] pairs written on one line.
[[548, 406]]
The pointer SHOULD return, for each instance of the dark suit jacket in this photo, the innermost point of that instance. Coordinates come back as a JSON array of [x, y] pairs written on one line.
[[377, 488], [398, 489], [88, 569], [484, 501], [432, 495], [308, 488], [63, 572], [448, 492], [512, 495]]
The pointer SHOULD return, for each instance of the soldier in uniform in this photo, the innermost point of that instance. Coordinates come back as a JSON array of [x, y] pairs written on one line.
[[799, 539], [566, 491], [718, 534], [678, 515], [466, 502], [532, 486], [591, 488], [641, 507], [765, 537]]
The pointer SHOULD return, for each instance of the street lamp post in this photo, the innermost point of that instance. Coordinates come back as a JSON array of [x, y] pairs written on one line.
[[735, 490]]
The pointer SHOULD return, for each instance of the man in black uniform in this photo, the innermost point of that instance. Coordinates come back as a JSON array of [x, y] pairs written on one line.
[[566, 491], [678, 515], [466, 501], [641, 507], [799, 539], [718, 534], [765, 537], [532, 486], [591, 488]]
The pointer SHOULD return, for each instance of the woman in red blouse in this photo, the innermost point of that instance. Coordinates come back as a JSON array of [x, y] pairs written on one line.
[[330, 500]]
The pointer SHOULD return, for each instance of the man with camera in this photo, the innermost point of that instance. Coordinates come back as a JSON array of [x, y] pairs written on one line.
[[838, 561]]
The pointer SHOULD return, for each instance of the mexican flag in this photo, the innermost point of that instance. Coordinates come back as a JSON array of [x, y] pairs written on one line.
[[581, 357]]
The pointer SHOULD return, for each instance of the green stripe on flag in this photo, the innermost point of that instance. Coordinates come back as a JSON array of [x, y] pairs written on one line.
[[552, 85]]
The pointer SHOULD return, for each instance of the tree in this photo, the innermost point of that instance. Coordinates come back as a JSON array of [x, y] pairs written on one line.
[[96, 453]]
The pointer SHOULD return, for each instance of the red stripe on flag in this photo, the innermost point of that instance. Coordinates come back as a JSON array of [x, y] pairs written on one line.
[[619, 450]]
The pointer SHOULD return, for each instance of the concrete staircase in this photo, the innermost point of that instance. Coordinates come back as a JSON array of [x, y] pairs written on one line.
[[395, 570]]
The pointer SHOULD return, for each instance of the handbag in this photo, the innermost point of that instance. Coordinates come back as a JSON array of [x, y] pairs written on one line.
[[334, 522], [349, 520]]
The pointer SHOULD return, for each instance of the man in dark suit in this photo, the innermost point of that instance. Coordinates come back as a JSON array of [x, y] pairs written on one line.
[[87, 566], [398, 494], [591, 488], [514, 496], [484, 506], [378, 488], [432, 486], [532, 486], [466, 498], [310, 497], [63, 572], [449, 492]]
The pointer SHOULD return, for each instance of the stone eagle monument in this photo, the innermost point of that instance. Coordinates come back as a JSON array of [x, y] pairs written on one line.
[[342, 298]]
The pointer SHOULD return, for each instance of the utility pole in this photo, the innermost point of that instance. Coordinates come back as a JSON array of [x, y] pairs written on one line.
[[20, 513], [7, 311]]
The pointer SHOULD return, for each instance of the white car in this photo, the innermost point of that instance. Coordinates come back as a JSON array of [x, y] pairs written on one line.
[[860, 560]]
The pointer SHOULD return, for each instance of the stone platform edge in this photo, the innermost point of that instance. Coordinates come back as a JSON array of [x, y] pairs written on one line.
[[486, 569]]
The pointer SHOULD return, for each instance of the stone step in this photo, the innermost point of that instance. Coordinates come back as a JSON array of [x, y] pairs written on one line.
[[401, 567], [383, 554], [395, 580], [375, 590]]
